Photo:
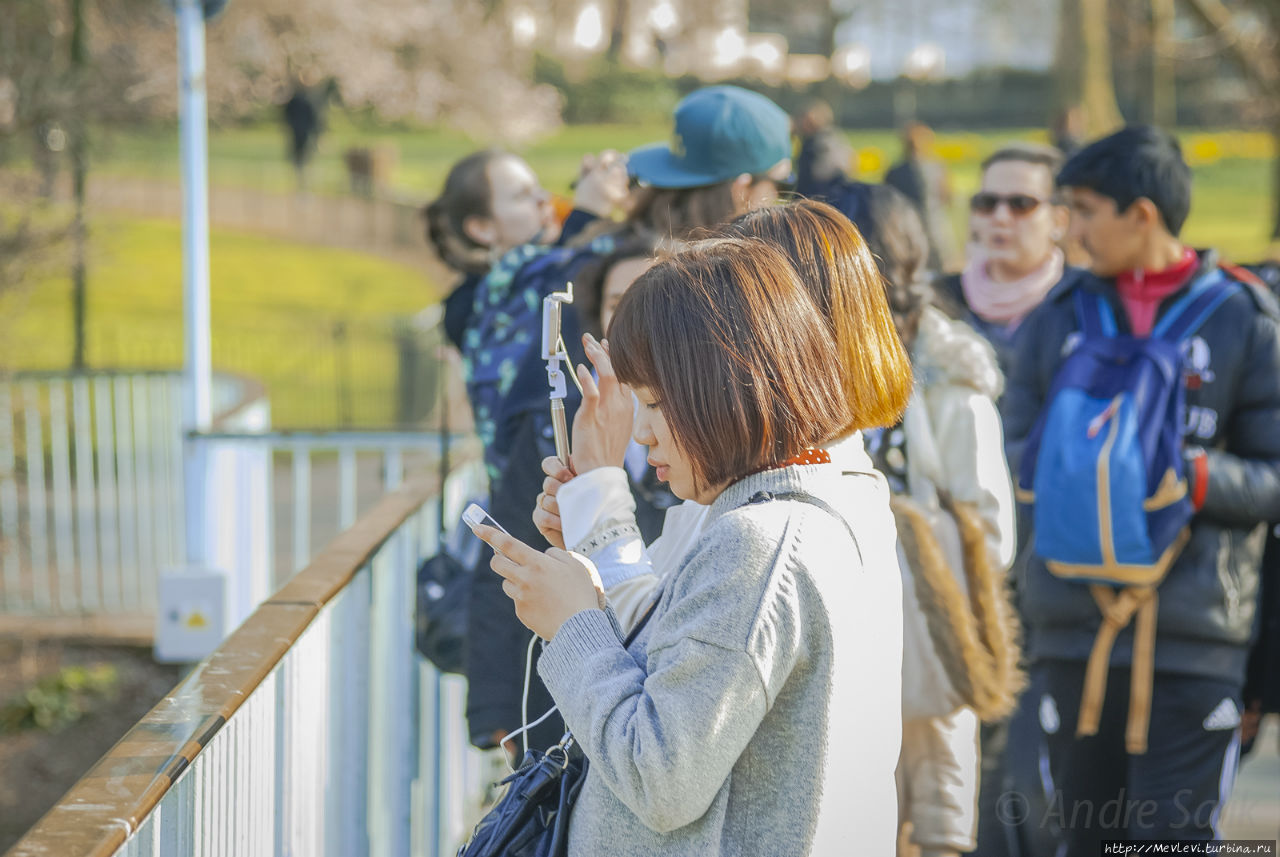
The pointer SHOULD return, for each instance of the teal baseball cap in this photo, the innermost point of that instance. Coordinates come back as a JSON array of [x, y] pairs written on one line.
[[721, 132]]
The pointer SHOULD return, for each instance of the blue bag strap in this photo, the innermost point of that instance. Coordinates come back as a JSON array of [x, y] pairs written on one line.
[[1095, 315], [1194, 308]]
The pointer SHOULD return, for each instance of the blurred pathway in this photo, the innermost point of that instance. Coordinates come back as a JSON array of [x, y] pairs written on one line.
[[385, 227], [1254, 809]]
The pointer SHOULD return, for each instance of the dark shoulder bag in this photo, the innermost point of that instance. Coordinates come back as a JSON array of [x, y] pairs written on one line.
[[444, 580], [531, 819]]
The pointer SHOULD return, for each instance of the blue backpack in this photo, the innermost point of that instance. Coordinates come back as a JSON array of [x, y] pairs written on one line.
[[1103, 469], [1103, 466]]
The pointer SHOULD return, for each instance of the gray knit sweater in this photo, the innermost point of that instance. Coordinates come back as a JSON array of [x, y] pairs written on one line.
[[744, 720]]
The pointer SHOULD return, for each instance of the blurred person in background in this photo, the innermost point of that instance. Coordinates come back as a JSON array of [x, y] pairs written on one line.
[[492, 202], [954, 507], [731, 153], [828, 158], [811, 125], [1156, 724], [304, 120], [1018, 223], [922, 177], [1068, 130], [509, 232]]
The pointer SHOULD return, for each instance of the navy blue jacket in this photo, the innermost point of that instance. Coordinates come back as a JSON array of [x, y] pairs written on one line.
[[458, 306], [1263, 681], [522, 437], [1002, 339], [1207, 603]]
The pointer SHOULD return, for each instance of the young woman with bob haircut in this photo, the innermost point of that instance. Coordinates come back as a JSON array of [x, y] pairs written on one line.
[[740, 720], [588, 509]]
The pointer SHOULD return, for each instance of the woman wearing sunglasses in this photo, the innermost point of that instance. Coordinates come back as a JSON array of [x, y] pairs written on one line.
[[1017, 224]]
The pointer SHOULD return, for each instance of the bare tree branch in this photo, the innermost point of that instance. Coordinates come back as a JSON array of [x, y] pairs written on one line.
[[1253, 57]]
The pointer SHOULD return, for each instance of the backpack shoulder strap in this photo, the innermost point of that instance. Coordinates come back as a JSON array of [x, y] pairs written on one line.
[[1194, 308], [1264, 292], [1243, 275], [1094, 314], [765, 496]]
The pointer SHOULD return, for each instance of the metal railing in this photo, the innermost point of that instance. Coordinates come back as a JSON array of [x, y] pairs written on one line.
[[313, 730], [91, 493], [92, 499], [90, 490], [321, 481]]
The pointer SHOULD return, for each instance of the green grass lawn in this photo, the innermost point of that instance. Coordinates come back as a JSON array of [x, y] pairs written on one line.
[[1231, 207], [316, 324], [275, 306], [254, 156]]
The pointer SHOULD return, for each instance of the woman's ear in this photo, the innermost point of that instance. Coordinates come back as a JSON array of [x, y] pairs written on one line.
[[1061, 218], [740, 192], [481, 230]]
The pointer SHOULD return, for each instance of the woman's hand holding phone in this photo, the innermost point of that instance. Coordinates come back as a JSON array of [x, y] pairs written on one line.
[[547, 588], [546, 513]]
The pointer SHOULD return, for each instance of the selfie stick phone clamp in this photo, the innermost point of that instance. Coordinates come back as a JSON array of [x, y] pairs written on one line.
[[558, 365]]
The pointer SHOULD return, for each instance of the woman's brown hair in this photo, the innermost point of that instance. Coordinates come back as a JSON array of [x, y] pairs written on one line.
[[900, 246], [467, 193], [727, 339], [588, 283], [680, 212], [836, 266]]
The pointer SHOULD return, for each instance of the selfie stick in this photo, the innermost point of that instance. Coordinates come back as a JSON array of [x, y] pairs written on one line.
[[554, 352]]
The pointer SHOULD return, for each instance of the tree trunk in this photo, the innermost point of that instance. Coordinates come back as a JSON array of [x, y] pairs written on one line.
[[1097, 87], [618, 32], [1164, 110], [1261, 67], [79, 168], [1275, 179], [1067, 56]]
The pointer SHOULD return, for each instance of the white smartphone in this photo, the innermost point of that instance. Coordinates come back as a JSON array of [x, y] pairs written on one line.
[[474, 516]]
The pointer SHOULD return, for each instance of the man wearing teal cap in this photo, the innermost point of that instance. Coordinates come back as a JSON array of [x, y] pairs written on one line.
[[724, 136]]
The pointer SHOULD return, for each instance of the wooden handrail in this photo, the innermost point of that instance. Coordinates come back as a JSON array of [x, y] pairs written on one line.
[[108, 803]]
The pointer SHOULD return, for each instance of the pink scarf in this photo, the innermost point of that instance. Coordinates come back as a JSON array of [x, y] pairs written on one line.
[[1008, 303]]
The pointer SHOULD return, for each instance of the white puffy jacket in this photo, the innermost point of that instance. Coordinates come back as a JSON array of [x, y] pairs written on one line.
[[954, 444]]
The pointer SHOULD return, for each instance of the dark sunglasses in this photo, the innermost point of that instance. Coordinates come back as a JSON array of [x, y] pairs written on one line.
[[1019, 203]]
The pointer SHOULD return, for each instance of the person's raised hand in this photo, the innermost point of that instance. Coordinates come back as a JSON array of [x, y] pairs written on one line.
[[546, 512], [602, 426], [603, 184], [547, 588]]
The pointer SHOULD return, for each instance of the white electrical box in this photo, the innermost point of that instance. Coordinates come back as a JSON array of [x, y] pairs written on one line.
[[191, 620]]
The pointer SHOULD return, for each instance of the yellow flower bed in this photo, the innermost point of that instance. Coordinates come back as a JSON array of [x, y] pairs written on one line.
[[1209, 148]]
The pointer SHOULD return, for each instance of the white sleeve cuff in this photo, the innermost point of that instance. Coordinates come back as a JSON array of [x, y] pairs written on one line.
[[592, 499]]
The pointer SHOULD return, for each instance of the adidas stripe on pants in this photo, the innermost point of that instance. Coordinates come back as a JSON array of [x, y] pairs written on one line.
[[1176, 790]]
